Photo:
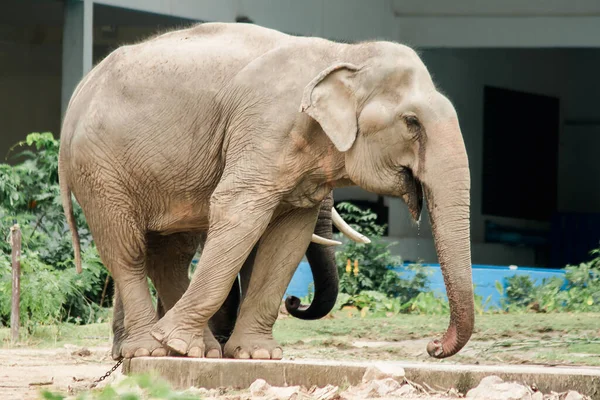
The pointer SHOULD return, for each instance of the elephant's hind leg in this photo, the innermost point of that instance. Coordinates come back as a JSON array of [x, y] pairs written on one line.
[[121, 245], [168, 259]]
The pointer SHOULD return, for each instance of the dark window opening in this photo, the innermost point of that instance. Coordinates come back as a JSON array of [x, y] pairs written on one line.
[[520, 154]]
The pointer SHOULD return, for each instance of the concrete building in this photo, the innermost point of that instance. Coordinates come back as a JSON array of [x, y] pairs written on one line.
[[522, 75]]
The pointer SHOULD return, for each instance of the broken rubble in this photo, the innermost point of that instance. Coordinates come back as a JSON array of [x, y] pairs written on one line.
[[376, 373], [284, 393], [494, 388], [573, 395], [259, 388], [328, 392], [374, 388], [537, 396], [405, 390]]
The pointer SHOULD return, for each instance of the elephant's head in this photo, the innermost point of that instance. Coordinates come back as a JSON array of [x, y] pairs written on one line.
[[401, 137]]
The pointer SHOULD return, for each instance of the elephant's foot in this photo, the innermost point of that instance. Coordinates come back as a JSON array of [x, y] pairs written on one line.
[[180, 338], [258, 347], [142, 345]]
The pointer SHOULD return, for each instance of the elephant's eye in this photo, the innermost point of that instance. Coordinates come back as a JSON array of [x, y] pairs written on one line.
[[413, 124]]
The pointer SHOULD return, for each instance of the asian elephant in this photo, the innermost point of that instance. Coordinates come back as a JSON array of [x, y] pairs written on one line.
[[238, 132]]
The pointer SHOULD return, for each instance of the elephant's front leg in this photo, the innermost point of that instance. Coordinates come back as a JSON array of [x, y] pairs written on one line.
[[280, 250], [237, 221]]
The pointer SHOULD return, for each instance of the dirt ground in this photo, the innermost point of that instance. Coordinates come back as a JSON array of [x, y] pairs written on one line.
[[24, 372], [52, 357], [71, 369]]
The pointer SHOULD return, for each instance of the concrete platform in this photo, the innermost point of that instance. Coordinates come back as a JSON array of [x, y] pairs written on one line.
[[210, 373]]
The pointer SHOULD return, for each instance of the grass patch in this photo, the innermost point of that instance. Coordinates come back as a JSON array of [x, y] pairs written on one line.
[[562, 338], [48, 336]]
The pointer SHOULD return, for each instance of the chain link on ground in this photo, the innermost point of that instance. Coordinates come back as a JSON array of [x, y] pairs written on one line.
[[107, 374]]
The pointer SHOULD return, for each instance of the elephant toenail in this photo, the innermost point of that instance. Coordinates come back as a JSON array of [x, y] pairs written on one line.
[[177, 345], [277, 354], [196, 352], [213, 353], [261, 354], [160, 352], [141, 353], [241, 354]]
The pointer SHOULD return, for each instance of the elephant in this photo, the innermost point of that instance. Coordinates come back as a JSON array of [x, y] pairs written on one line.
[[238, 132], [320, 256]]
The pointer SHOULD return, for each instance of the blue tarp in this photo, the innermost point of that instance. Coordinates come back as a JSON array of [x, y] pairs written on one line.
[[484, 277]]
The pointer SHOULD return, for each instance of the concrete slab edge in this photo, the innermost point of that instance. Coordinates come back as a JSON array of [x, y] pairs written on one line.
[[182, 373]]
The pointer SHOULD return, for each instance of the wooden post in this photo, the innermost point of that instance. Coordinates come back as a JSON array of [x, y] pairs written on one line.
[[15, 242]]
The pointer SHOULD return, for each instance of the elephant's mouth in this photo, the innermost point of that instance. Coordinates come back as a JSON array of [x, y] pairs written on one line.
[[412, 192]]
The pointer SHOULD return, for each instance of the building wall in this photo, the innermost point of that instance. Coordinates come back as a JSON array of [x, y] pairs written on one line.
[[31, 35], [435, 23], [30, 79]]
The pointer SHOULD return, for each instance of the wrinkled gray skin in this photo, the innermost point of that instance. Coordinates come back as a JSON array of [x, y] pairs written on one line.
[[239, 132], [323, 267]]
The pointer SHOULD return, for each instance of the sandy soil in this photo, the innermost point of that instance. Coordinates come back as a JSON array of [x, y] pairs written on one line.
[[24, 372]]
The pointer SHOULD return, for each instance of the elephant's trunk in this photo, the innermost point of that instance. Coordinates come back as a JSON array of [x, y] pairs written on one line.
[[324, 270], [446, 185]]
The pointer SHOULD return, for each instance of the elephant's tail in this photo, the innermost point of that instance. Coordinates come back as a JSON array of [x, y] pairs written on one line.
[[65, 195]]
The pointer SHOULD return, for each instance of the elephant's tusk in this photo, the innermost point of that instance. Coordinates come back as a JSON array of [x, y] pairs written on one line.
[[326, 242], [347, 229]]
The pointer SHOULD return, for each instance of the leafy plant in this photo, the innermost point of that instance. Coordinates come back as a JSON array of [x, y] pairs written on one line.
[[51, 291], [367, 266], [579, 291], [144, 386], [366, 270], [519, 290], [429, 304]]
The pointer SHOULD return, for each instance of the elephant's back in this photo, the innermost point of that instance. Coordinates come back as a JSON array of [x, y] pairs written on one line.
[[173, 78], [207, 55], [150, 111]]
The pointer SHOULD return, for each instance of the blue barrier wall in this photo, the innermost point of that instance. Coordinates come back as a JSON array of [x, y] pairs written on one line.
[[484, 277]]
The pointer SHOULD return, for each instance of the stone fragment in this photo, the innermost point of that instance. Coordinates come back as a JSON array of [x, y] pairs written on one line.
[[381, 372], [284, 393], [405, 390], [573, 395], [494, 388], [537, 396], [259, 388], [326, 393]]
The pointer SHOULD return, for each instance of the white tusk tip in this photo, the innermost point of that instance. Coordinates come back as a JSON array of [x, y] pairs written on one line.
[[326, 242]]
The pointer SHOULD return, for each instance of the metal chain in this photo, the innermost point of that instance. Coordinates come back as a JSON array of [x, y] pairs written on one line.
[[107, 374]]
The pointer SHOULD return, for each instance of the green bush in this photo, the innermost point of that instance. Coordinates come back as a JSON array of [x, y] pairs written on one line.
[[51, 291], [519, 290], [579, 291], [365, 269], [367, 266]]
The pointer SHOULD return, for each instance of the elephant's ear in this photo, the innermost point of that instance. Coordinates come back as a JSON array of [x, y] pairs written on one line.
[[329, 99]]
